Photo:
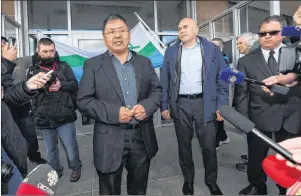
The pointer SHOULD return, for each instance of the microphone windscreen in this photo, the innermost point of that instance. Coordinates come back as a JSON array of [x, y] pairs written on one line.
[[232, 76], [28, 189], [291, 31], [236, 119], [44, 178], [278, 171]]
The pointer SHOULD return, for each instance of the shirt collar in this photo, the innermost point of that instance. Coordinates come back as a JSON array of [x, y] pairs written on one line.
[[276, 50], [130, 55], [197, 43]]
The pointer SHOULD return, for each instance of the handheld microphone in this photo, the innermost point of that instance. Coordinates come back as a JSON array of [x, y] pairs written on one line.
[[291, 31], [278, 170], [234, 76], [247, 126], [42, 180]]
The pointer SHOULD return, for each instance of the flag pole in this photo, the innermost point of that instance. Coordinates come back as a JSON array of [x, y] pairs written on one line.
[[140, 19]]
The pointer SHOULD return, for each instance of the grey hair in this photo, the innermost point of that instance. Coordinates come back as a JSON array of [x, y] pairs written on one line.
[[249, 37]]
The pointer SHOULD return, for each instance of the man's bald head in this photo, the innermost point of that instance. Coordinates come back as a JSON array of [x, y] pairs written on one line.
[[187, 29]]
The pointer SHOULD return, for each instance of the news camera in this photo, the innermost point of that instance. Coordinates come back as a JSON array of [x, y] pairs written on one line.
[[290, 56]]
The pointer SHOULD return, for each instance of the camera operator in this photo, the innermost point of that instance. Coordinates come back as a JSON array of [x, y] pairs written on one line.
[[13, 142]]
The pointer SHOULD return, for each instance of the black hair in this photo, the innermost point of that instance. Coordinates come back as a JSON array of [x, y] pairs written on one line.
[[114, 17], [3, 39], [45, 41], [274, 18]]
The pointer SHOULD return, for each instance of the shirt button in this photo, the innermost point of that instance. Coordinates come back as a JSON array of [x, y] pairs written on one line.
[[127, 92], [124, 78]]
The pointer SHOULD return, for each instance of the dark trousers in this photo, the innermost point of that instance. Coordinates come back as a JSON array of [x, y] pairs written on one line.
[[257, 151], [191, 112], [137, 164], [28, 130], [221, 134]]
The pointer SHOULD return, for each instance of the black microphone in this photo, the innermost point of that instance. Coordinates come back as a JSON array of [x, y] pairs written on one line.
[[247, 126]]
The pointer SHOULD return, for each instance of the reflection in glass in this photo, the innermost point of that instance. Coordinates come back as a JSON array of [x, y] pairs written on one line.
[[89, 15], [47, 15], [205, 32], [224, 27], [170, 13]]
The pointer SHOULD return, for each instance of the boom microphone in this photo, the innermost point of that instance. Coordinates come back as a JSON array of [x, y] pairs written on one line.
[[234, 76], [247, 126], [42, 180]]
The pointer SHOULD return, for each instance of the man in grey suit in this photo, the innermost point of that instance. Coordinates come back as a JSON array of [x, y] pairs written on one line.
[[120, 90], [276, 114]]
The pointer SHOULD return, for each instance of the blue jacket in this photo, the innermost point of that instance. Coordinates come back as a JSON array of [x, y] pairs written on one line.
[[215, 92]]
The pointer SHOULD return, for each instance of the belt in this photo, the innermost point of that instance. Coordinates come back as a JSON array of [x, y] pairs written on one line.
[[133, 126], [193, 96]]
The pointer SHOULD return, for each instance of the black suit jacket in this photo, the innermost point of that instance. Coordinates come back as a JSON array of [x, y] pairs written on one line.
[[269, 113], [100, 97]]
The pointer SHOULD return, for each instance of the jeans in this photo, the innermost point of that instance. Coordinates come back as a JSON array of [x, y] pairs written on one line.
[[67, 135], [16, 179]]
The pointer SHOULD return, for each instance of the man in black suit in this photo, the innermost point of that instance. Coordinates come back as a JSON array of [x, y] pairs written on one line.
[[276, 114], [120, 90]]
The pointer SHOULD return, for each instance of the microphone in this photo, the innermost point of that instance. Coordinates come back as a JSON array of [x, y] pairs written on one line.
[[291, 31], [247, 126], [282, 174], [234, 76], [42, 180]]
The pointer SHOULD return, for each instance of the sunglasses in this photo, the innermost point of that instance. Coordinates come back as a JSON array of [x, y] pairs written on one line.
[[271, 33]]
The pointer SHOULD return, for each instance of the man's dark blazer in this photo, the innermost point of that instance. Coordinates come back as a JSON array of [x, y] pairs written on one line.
[[216, 92], [269, 113], [100, 97]]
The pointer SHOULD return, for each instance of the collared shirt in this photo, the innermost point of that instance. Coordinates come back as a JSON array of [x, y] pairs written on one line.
[[127, 78], [191, 69], [266, 53]]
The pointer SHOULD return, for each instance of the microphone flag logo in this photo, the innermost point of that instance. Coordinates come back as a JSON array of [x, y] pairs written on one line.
[[52, 178]]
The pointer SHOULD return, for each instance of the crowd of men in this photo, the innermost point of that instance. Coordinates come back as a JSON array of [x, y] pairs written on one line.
[[121, 91]]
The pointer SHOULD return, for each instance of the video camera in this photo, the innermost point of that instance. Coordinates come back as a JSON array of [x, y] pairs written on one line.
[[290, 56]]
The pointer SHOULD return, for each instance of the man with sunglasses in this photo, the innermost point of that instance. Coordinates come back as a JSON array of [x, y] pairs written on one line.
[[276, 114]]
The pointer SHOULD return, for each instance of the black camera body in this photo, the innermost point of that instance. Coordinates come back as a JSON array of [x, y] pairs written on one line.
[[290, 59]]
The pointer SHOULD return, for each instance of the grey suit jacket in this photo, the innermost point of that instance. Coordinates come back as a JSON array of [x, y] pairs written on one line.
[[100, 97], [269, 113]]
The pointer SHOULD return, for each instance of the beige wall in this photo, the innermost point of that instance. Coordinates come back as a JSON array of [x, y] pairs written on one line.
[[208, 9], [7, 7]]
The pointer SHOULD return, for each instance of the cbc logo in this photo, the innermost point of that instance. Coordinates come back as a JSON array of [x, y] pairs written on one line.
[[52, 178]]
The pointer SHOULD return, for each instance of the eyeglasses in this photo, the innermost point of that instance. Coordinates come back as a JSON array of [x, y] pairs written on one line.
[[113, 33], [271, 33]]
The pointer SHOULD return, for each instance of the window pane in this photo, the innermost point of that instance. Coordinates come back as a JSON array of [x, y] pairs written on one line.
[[47, 15], [170, 13], [89, 15], [224, 30], [205, 32], [257, 12], [224, 26]]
